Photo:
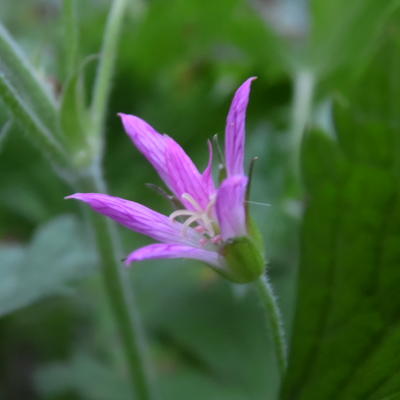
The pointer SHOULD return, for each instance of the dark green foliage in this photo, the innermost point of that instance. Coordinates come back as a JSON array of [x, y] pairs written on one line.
[[347, 321]]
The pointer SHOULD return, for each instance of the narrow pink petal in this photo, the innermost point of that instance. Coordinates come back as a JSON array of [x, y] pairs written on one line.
[[171, 162], [235, 130], [139, 218], [148, 141], [207, 173], [184, 177], [230, 207], [161, 250]]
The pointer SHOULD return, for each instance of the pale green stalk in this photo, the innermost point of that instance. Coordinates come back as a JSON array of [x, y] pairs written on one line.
[[104, 74], [120, 297], [71, 30], [22, 76], [274, 320]]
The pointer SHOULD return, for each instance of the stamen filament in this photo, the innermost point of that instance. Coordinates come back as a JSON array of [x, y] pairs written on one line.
[[180, 213], [192, 201], [203, 218], [187, 224]]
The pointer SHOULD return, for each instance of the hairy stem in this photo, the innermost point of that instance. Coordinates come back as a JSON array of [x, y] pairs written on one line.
[[30, 123], [103, 81], [22, 75], [274, 320], [120, 297], [71, 38]]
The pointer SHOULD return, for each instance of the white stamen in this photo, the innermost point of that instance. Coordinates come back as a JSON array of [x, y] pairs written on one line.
[[180, 213], [187, 224], [208, 225], [192, 201], [211, 204], [203, 218]]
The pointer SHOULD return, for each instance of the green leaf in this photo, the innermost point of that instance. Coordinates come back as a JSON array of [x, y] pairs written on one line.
[[344, 33], [346, 330], [57, 254], [4, 131], [192, 37], [79, 374]]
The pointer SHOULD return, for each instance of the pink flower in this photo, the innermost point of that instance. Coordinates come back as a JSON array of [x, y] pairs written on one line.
[[211, 217]]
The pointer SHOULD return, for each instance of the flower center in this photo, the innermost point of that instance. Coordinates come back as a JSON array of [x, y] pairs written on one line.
[[202, 218]]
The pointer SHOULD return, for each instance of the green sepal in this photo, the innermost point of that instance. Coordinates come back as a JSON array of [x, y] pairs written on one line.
[[244, 261], [255, 235]]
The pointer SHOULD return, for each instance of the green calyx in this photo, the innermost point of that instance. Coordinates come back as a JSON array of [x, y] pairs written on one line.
[[244, 261]]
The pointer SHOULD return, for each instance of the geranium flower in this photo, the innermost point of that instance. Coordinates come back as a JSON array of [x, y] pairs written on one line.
[[212, 226]]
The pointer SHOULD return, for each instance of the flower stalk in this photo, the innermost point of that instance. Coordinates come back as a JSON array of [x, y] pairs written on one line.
[[105, 69], [274, 320], [71, 36], [120, 297]]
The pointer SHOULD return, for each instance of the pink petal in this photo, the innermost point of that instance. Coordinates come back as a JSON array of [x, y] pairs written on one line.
[[171, 162], [139, 218], [148, 141], [184, 177], [230, 207], [160, 250], [235, 130], [207, 173]]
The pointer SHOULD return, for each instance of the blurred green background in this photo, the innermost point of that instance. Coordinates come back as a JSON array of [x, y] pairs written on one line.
[[329, 68]]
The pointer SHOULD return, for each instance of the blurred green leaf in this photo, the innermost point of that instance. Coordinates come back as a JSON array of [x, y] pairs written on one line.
[[346, 330], [57, 254], [192, 36], [225, 338], [344, 33], [84, 374], [4, 131], [79, 374], [214, 335], [211, 342], [367, 113]]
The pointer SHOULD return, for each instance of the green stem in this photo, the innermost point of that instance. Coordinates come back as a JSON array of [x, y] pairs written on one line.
[[27, 119], [71, 31], [274, 319], [102, 85], [22, 75], [121, 299]]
